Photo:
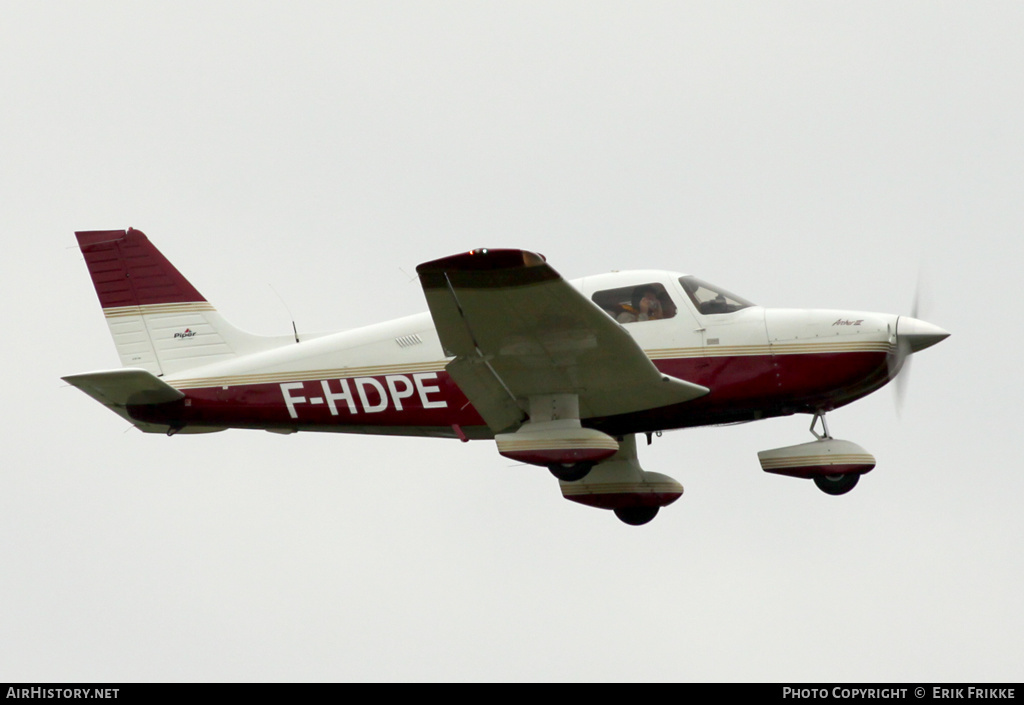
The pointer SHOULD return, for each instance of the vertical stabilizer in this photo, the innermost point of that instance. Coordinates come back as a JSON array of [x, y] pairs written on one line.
[[159, 321]]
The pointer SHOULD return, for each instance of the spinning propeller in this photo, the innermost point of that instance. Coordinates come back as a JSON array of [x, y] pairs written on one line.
[[912, 335]]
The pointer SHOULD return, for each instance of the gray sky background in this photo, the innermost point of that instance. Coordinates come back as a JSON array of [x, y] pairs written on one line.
[[798, 153]]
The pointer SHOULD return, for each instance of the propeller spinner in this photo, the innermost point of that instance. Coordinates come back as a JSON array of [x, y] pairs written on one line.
[[912, 335]]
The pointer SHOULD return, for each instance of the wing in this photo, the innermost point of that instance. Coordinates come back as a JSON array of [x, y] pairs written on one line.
[[517, 329]]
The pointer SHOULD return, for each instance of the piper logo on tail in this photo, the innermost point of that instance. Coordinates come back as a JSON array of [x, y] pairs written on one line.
[[188, 333]]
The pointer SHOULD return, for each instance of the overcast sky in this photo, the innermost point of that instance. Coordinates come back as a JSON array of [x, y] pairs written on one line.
[[801, 154]]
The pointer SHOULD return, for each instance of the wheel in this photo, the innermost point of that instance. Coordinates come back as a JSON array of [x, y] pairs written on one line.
[[570, 472], [636, 516], [836, 484]]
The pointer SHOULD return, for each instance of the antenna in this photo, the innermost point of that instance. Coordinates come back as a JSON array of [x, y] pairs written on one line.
[[288, 310]]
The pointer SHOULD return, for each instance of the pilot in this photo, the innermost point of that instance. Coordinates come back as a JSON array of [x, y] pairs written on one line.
[[645, 306]]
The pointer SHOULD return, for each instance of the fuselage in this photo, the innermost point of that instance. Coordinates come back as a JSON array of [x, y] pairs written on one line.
[[390, 378], [561, 375]]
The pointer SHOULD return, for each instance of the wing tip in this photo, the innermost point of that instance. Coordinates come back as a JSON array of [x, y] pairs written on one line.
[[484, 259], [485, 268]]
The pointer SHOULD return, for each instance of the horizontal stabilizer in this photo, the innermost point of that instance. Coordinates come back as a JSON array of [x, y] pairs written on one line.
[[116, 389], [124, 386]]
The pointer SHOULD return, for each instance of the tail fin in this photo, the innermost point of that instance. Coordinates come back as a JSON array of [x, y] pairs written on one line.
[[159, 321]]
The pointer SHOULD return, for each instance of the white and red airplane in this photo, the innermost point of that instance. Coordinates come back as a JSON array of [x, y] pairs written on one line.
[[559, 374]]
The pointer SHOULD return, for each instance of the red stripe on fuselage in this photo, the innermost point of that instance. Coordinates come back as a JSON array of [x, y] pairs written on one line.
[[747, 388], [814, 381], [743, 388], [420, 399]]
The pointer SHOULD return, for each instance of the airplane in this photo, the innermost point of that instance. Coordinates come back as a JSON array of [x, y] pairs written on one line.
[[561, 375]]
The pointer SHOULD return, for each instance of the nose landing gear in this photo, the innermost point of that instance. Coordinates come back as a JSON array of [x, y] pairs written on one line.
[[833, 464], [836, 484]]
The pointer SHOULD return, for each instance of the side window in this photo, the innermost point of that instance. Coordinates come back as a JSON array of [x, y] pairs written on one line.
[[630, 304]]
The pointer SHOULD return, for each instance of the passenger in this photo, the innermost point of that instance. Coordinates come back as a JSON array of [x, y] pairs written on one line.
[[627, 314], [645, 306], [645, 300]]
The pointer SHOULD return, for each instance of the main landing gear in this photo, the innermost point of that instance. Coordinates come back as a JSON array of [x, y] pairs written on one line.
[[620, 484], [593, 468], [571, 472], [636, 516]]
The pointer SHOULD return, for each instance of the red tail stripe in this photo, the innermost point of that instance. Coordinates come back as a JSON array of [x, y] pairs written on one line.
[[127, 270]]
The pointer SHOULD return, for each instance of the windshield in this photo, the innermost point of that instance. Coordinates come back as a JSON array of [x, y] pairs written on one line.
[[709, 298]]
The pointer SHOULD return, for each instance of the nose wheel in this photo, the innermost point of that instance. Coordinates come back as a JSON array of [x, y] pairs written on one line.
[[837, 484]]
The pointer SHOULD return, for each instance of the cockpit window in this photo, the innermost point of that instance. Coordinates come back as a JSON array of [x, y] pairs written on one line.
[[709, 298], [630, 304]]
